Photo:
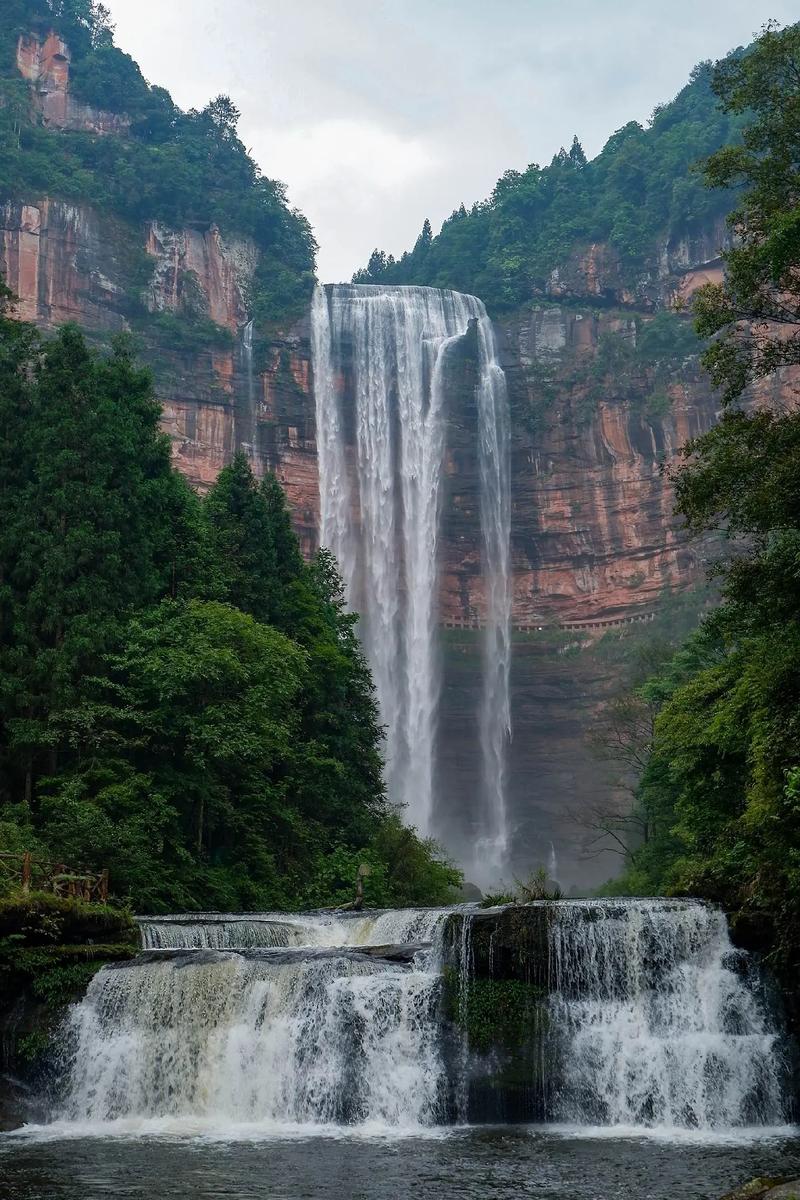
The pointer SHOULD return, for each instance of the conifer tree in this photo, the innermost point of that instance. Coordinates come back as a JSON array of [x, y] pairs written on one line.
[[86, 536], [241, 540]]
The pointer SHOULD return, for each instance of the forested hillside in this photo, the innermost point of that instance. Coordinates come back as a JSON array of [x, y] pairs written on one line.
[[641, 190], [183, 168], [182, 699], [719, 797]]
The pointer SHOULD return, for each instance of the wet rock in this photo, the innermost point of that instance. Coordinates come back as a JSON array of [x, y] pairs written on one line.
[[767, 1188]]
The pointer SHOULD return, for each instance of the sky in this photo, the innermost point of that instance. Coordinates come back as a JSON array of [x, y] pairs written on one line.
[[379, 113]]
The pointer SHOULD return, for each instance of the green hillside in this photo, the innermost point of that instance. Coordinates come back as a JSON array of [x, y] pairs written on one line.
[[640, 190], [178, 167]]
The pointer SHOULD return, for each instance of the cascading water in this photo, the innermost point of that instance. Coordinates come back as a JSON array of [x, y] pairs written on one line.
[[394, 343], [321, 1032], [657, 1023], [247, 422], [646, 1018]]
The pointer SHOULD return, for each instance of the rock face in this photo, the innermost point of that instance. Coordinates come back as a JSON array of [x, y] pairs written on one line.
[[593, 540], [45, 64]]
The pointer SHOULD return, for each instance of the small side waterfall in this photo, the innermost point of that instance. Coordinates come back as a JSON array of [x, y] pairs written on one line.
[[380, 469], [629, 1015], [247, 423], [660, 1025]]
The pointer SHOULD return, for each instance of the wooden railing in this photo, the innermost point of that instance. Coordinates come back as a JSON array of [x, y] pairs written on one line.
[[29, 873]]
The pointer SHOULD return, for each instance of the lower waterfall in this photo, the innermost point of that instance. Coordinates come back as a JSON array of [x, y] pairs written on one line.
[[333, 1020], [662, 1022]]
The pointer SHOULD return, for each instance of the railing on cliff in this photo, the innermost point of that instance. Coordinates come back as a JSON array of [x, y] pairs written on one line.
[[587, 623], [29, 873]]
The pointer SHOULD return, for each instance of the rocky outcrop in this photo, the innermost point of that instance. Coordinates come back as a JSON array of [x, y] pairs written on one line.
[[50, 947], [66, 262], [45, 63], [200, 272], [677, 267], [767, 1188]]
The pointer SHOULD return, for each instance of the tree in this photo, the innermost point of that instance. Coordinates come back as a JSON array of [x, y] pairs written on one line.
[[720, 782], [242, 543], [425, 238], [576, 153], [185, 739], [755, 313], [224, 116], [86, 532]]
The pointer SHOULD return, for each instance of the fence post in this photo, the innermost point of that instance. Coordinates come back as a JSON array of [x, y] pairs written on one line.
[[26, 871]]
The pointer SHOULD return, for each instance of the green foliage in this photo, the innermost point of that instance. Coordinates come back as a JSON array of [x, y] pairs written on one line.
[[176, 167], [495, 1013], [756, 312], [719, 790], [182, 698], [85, 24], [640, 190]]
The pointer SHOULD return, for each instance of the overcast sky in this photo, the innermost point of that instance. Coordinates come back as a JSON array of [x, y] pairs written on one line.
[[378, 113]]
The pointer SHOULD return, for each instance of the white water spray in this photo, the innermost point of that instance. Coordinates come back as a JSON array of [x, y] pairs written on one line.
[[654, 1023], [319, 1033], [248, 435], [392, 344], [659, 1025]]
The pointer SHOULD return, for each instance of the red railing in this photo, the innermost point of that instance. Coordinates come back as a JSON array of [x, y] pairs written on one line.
[[41, 875]]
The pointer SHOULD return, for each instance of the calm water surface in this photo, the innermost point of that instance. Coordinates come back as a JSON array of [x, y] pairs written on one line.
[[485, 1164]]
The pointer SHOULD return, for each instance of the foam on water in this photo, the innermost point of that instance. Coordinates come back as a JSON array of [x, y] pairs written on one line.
[[317, 1024]]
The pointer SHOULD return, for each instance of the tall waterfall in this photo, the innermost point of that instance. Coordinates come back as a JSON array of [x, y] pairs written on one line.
[[247, 420], [380, 469], [277, 1020]]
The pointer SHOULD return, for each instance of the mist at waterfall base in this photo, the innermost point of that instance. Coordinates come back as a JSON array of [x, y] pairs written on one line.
[[381, 449]]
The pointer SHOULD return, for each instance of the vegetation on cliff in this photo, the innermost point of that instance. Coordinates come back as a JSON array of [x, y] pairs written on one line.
[[182, 699], [638, 192], [182, 168], [720, 793]]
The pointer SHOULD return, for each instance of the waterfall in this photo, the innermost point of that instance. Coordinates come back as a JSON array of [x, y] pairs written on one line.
[[270, 1021], [247, 433], [552, 865], [323, 1032], [659, 1024], [380, 468]]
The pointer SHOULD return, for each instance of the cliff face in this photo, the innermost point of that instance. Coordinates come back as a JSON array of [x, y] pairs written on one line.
[[594, 540], [183, 293], [595, 413], [45, 63]]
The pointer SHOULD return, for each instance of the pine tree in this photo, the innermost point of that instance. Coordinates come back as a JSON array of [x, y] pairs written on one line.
[[86, 535], [425, 238], [576, 154], [241, 540]]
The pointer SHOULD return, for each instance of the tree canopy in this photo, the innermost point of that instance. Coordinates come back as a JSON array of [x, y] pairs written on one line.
[[177, 167], [720, 790]]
